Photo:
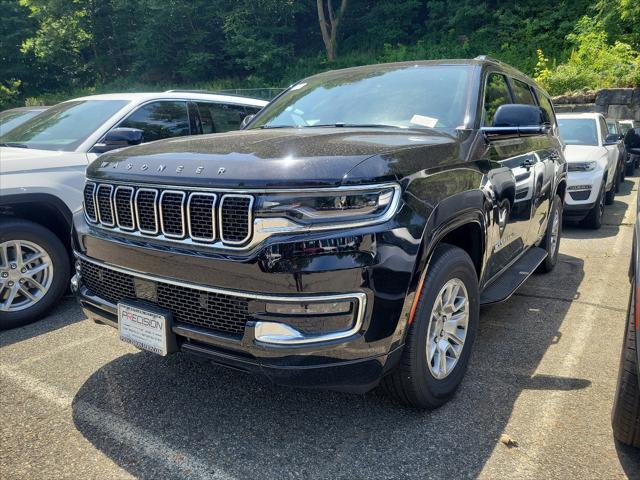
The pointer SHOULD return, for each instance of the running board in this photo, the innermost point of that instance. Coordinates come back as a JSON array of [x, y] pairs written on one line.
[[513, 277]]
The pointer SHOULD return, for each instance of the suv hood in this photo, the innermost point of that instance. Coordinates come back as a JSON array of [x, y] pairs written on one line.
[[17, 160], [583, 153], [262, 158]]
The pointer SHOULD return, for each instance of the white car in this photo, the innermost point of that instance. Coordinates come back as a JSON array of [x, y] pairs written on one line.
[[42, 168], [592, 156]]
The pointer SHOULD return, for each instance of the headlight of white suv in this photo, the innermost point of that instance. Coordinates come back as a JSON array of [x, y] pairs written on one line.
[[327, 208], [582, 166]]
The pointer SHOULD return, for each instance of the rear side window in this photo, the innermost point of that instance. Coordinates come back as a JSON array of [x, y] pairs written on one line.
[[160, 120], [547, 107], [522, 92], [496, 94]]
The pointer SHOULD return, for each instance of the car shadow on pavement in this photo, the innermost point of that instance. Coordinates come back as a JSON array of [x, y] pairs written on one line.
[[198, 415], [63, 314]]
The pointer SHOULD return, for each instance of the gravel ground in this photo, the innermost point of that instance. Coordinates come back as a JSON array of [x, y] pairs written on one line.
[[77, 403]]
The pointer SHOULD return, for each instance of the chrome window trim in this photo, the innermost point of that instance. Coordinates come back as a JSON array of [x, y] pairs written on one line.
[[359, 297], [214, 206], [115, 207], [155, 211], [95, 211], [113, 218], [249, 219], [182, 222]]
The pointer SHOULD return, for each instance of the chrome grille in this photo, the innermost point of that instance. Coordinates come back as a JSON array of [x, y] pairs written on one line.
[[105, 207], [172, 214], [123, 202], [89, 202], [235, 218]]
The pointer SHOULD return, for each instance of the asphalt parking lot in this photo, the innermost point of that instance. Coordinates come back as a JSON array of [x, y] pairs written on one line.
[[77, 403]]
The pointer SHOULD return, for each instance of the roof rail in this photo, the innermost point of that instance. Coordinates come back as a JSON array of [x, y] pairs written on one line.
[[489, 58]]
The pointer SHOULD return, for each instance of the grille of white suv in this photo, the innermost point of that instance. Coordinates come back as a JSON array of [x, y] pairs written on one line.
[[175, 214]]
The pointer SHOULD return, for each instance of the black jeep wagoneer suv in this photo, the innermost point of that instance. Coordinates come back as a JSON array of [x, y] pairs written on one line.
[[347, 235]]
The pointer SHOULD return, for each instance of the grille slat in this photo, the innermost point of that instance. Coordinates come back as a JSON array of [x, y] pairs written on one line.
[[201, 216], [235, 218], [123, 201], [171, 214], [89, 202], [105, 207], [215, 311]]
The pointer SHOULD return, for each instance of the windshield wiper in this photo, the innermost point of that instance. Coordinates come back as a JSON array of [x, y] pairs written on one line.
[[14, 144], [277, 126], [350, 125]]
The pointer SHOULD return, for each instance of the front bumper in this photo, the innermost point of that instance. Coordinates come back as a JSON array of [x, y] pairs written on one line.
[[582, 190], [369, 274]]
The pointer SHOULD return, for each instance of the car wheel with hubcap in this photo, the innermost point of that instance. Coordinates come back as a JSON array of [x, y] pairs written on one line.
[[594, 217], [439, 339], [34, 269], [551, 240]]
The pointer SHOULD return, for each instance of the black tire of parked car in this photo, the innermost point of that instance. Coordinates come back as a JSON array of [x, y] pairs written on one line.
[[411, 382], [611, 194], [17, 229], [594, 217], [621, 177], [630, 167], [625, 418], [550, 262]]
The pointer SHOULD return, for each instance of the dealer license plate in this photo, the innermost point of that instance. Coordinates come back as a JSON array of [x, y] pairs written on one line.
[[144, 329]]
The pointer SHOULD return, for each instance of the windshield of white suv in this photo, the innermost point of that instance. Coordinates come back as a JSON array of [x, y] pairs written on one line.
[[62, 127], [578, 131], [10, 119], [416, 96]]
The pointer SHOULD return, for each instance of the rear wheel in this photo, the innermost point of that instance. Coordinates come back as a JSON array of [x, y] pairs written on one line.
[[551, 240], [439, 340], [626, 408], [34, 270], [594, 217]]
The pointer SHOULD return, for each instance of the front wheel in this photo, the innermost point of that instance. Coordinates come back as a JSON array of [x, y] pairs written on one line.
[[34, 271], [611, 194], [594, 217], [439, 340]]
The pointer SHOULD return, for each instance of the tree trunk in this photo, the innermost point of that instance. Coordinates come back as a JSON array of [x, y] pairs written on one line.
[[329, 29]]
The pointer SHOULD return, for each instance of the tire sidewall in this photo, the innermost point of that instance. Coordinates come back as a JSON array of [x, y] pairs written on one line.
[[48, 241], [428, 386]]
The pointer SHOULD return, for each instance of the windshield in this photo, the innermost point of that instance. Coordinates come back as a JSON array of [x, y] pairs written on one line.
[[64, 126], [578, 131], [404, 97], [12, 118]]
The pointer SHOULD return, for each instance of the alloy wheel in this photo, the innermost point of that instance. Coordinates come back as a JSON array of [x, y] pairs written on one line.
[[555, 230], [448, 327], [26, 274]]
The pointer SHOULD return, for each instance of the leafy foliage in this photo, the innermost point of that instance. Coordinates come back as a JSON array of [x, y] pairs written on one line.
[[56, 49]]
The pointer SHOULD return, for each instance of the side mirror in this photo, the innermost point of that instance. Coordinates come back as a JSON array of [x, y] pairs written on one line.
[[517, 120], [118, 138], [611, 139], [246, 121]]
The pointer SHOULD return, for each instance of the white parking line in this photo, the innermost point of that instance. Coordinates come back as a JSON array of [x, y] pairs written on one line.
[[147, 444]]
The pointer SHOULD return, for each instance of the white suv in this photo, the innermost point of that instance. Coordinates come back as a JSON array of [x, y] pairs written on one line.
[[593, 160], [42, 167]]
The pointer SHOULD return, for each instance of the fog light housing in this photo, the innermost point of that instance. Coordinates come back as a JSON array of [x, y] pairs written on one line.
[[75, 283], [309, 320]]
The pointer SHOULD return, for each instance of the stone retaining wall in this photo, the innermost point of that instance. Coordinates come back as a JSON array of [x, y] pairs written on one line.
[[618, 103]]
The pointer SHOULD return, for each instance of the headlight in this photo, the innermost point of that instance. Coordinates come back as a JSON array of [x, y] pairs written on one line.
[[330, 206], [582, 166]]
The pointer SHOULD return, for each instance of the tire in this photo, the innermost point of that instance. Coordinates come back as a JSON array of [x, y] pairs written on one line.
[[625, 418], [413, 381], [547, 243], [593, 219], [621, 177], [611, 194], [629, 168], [31, 235]]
